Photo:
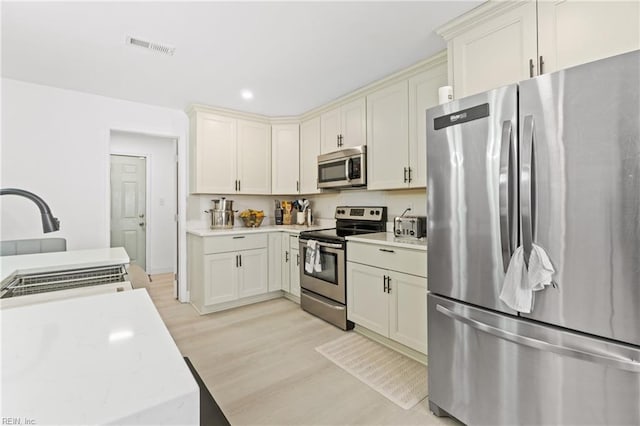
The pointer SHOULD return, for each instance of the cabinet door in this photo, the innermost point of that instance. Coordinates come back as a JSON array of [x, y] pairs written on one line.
[[496, 52], [220, 278], [388, 138], [252, 272], [574, 32], [213, 152], [309, 151], [275, 261], [286, 263], [367, 303], [285, 158], [353, 124], [408, 310], [329, 130], [254, 157], [423, 94], [294, 276]]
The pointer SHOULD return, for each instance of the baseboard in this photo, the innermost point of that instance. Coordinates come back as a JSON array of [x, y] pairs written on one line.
[[292, 297], [392, 344], [237, 303]]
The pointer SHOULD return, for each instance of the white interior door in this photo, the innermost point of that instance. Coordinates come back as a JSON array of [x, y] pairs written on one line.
[[128, 206]]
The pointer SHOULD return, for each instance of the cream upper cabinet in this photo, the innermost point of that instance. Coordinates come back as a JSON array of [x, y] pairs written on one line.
[[212, 153], [309, 151], [396, 130], [575, 32], [285, 157], [388, 137], [229, 155], [496, 51], [254, 157], [344, 127], [423, 94], [500, 43]]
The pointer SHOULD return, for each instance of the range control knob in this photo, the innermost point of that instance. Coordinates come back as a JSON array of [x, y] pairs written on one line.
[[378, 212], [371, 212]]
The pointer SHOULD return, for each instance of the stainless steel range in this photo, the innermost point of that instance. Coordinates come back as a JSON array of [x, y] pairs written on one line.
[[322, 276]]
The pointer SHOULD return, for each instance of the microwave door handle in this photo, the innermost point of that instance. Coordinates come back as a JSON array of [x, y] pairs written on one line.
[[348, 168]]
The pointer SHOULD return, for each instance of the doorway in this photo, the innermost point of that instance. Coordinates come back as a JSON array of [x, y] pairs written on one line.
[[160, 216], [129, 207]]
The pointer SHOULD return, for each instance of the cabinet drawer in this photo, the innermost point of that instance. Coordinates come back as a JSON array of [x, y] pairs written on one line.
[[393, 258], [234, 243]]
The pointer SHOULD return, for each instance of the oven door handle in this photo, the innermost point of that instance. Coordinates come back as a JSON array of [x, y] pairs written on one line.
[[321, 244]]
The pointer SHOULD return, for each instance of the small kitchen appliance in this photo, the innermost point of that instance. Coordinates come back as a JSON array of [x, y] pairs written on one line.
[[346, 168], [410, 226], [324, 293]]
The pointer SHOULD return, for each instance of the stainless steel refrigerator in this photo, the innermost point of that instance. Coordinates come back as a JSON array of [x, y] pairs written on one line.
[[555, 161]]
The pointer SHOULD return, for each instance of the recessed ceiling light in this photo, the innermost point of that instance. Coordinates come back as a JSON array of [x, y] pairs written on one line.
[[246, 94]]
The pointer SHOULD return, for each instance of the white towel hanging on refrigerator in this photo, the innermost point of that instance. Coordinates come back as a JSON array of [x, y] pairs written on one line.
[[520, 282]]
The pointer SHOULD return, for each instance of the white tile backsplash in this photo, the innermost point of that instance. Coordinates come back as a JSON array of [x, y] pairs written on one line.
[[322, 205]]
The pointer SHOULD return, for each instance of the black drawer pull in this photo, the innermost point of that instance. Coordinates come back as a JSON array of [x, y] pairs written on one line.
[[386, 250], [238, 237]]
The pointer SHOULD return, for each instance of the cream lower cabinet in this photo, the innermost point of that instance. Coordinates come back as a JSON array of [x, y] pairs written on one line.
[[284, 263], [294, 266], [388, 302], [227, 271]]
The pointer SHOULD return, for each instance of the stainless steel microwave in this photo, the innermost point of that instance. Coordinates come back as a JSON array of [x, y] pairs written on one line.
[[343, 169]]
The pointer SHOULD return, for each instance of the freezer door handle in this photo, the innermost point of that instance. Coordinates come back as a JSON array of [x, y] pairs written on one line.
[[619, 363], [526, 187], [506, 196]]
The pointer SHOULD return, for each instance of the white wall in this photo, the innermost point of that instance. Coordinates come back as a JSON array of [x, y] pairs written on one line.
[[55, 143], [161, 194]]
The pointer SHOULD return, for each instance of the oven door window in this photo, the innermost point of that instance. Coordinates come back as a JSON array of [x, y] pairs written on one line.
[[332, 172], [328, 264]]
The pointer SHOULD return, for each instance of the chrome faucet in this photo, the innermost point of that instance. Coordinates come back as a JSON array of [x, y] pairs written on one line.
[[49, 223]]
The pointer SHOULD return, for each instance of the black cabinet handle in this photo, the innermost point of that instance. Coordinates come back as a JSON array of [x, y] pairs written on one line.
[[386, 250], [389, 285], [384, 283], [240, 256], [238, 237], [286, 256], [297, 259], [531, 66], [237, 261]]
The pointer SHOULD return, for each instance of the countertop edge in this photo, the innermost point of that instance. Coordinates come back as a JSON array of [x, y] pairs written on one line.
[[388, 239]]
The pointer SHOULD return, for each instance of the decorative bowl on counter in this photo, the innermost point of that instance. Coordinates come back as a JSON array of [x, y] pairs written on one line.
[[252, 218]]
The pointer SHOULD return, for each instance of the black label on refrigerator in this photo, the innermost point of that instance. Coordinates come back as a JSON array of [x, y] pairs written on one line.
[[459, 117]]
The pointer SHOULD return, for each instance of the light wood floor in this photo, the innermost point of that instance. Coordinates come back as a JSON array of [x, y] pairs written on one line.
[[260, 365]]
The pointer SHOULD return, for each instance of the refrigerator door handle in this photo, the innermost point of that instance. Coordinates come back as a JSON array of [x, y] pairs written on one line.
[[526, 187], [619, 363], [506, 197]]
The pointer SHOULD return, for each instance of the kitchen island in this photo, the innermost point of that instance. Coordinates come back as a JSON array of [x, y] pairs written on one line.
[[94, 360]]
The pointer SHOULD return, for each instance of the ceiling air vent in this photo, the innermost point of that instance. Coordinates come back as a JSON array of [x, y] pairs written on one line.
[[156, 47]]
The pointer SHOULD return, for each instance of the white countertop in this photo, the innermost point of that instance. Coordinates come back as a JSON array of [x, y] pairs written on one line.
[[62, 260], [94, 360], [389, 239], [292, 229]]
